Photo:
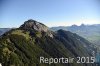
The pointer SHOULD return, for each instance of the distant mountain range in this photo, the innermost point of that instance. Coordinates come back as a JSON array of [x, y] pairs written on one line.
[[25, 45], [3, 30], [90, 32]]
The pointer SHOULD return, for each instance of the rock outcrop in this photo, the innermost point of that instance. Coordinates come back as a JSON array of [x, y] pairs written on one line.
[[32, 24]]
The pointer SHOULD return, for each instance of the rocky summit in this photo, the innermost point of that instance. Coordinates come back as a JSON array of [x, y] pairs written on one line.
[[32, 24]]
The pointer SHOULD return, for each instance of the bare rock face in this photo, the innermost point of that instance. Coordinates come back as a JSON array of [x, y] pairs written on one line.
[[32, 24]]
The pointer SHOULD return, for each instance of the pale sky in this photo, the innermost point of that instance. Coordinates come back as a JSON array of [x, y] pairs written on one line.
[[13, 13]]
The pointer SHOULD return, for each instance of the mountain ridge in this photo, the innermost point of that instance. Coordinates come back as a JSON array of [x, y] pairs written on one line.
[[23, 46], [89, 32]]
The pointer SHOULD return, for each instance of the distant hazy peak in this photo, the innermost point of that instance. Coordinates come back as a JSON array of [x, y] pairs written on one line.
[[82, 25], [74, 26], [32, 24]]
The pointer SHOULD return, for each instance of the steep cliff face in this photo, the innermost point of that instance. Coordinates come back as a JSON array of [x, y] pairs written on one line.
[[25, 45]]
